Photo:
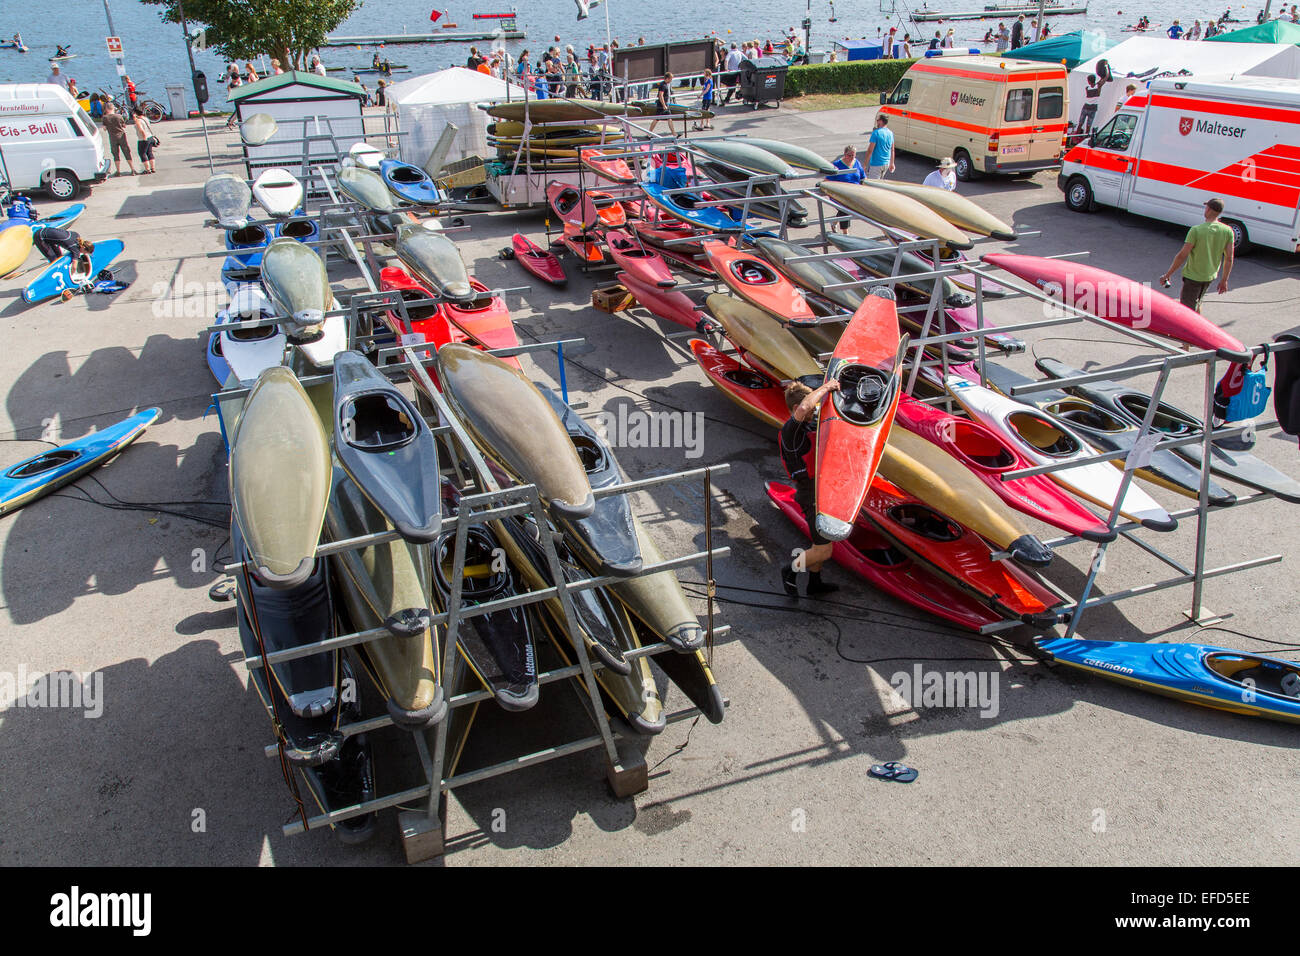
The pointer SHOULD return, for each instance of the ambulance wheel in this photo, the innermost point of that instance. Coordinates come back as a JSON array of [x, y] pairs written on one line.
[[966, 170], [1078, 194], [1240, 239], [62, 184]]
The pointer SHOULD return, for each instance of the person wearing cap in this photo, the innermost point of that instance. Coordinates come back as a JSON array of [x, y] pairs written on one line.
[[945, 176], [1207, 246]]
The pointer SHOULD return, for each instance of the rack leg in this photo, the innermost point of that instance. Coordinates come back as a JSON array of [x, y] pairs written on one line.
[[630, 775], [424, 837]]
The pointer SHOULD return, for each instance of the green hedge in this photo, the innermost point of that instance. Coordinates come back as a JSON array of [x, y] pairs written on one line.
[[853, 76]]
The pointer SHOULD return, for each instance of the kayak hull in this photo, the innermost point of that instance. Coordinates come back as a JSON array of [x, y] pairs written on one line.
[[667, 304], [760, 395], [541, 263]]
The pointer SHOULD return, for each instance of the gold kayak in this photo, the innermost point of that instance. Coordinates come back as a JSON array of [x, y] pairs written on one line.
[[760, 335], [367, 188], [896, 211], [958, 210]]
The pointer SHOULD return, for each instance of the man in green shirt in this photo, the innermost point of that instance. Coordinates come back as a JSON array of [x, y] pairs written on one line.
[[1207, 245]]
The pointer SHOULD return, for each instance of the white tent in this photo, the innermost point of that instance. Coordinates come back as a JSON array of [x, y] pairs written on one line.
[[1147, 56], [426, 104]]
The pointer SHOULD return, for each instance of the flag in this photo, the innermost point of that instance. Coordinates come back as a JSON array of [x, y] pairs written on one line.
[[435, 15]]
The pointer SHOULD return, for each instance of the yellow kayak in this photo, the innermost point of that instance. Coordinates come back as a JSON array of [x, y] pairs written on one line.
[[958, 210], [15, 246], [896, 211], [762, 337]]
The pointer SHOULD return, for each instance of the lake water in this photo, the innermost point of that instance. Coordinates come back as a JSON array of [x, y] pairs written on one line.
[[155, 51]]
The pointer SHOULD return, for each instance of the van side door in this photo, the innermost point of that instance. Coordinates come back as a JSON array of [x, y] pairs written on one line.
[[1015, 127], [1110, 160], [1049, 122]]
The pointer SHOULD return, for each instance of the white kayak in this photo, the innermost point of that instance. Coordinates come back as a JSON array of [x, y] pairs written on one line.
[[1046, 440], [322, 342], [278, 192], [365, 155], [249, 352]]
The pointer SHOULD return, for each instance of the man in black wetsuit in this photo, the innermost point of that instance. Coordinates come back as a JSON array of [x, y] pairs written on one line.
[[798, 436], [54, 243]]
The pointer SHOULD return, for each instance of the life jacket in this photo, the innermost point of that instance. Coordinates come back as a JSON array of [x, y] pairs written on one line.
[[1286, 384]]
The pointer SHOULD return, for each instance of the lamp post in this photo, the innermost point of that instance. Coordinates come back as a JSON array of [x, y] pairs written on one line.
[[194, 81]]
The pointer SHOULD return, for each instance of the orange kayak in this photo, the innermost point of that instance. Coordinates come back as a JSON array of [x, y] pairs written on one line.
[[855, 421], [616, 170], [608, 209], [760, 284]]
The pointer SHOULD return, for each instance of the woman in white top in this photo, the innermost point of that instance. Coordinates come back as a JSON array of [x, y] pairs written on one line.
[[949, 40], [945, 176]]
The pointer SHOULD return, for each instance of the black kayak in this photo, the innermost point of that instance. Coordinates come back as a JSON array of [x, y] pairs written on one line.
[[795, 213], [497, 646], [605, 541], [691, 674], [1107, 431], [1225, 460], [348, 779], [384, 445], [303, 693]]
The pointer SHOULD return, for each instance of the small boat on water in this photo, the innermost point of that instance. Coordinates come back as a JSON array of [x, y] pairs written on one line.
[[992, 11]]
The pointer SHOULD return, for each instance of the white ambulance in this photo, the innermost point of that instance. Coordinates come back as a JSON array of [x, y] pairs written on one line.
[[47, 141], [1171, 147]]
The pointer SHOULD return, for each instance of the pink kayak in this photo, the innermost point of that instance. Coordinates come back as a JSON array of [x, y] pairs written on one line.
[[632, 257], [1119, 300], [665, 303]]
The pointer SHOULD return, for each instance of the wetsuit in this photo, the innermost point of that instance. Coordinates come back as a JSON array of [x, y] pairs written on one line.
[[54, 243], [797, 439]]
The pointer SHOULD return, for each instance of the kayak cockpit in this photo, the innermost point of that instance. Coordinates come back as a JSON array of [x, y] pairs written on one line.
[[1255, 674], [977, 446], [928, 524], [43, 463], [1086, 415], [1167, 419], [1043, 436], [752, 272], [865, 393], [376, 422]]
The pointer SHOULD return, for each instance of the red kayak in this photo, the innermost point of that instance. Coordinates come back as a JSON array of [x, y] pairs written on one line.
[[1119, 300], [485, 320], [987, 455], [673, 306], [584, 245], [615, 169], [663, 232], [632, 257], [958, 554], [854, 421], [635, 208], [757, 282], [572, 205], [478, 323], [426, 321], [871, 557], [608, 209], [760, 395], [538, 261]]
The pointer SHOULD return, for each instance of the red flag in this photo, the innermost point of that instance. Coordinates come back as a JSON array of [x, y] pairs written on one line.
[[435, 15]]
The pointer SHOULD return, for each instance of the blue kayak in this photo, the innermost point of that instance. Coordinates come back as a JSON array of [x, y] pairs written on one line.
[[302, 228], [682, 205], [58, 277], [234, 273], [409, 182], [1202, 674], [60, 220], [246, 244], [26, 481]]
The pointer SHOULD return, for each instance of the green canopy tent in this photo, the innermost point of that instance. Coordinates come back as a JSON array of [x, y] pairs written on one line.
[[1274, 31], [1072, 48]]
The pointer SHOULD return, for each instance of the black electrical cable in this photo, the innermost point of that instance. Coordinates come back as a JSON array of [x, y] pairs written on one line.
[[1280, 645]]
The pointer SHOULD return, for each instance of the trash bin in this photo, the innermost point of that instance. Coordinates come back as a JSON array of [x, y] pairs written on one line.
[[176, 99], [763, 80]]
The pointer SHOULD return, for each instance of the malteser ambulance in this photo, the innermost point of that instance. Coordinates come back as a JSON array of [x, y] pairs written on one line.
[[991, 114], [1169, 149], [47, 141]]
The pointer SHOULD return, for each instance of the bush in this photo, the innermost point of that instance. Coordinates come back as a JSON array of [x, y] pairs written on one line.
[[853, 76]]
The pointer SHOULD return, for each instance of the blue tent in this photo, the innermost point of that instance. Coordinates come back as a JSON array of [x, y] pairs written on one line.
[[1072, 48]]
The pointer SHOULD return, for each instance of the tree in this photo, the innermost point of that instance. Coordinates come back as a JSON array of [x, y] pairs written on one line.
[[244, 29]]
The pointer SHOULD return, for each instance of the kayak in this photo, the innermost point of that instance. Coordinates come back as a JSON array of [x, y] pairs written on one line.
[[874, 559], [295, 279], [246, 245], [364, 155], [689, 672], [878, 258], [1046, 441], [758, 283], [742, 155], [409, 182], [815, 275], [987, 455], [559, 111], [585, 245], [434, 260], [895, 211], [754, 391], [1122, 301], [684, 207], [66, 274], [785, 209], [301, 695], [278, 192], [658, 601], [697, 263], [1218, 677], [245, 353], [484, 320], [635, 259], [235, 275], [1108, 432], [425, 323], [608, 209], [1131, 405], [364, 186], [572, 205], [516, 128], [512, 421], [613, 168], [498, 647], [667, 304], [301, 229], [538, 261], [15, 247], [29, 479], [795, 155], [854, 421], [762, 341], [383, 444], [605, 541], [385, 586], [929, 474], [957, 209], [959, 555], [963, 280], [277, 435], [227, 197], [258, 129]]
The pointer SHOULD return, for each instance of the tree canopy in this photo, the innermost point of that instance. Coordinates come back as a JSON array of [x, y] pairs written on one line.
[[243, 29]]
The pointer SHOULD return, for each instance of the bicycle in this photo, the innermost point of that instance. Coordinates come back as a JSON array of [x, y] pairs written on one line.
[[153, 110]]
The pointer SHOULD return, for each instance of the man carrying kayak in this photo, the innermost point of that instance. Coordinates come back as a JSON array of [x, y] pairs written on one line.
[[797, 440]]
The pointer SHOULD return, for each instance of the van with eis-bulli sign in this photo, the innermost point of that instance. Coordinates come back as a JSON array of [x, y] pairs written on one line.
[[1171, 147], [991, 114], [47, 141]]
